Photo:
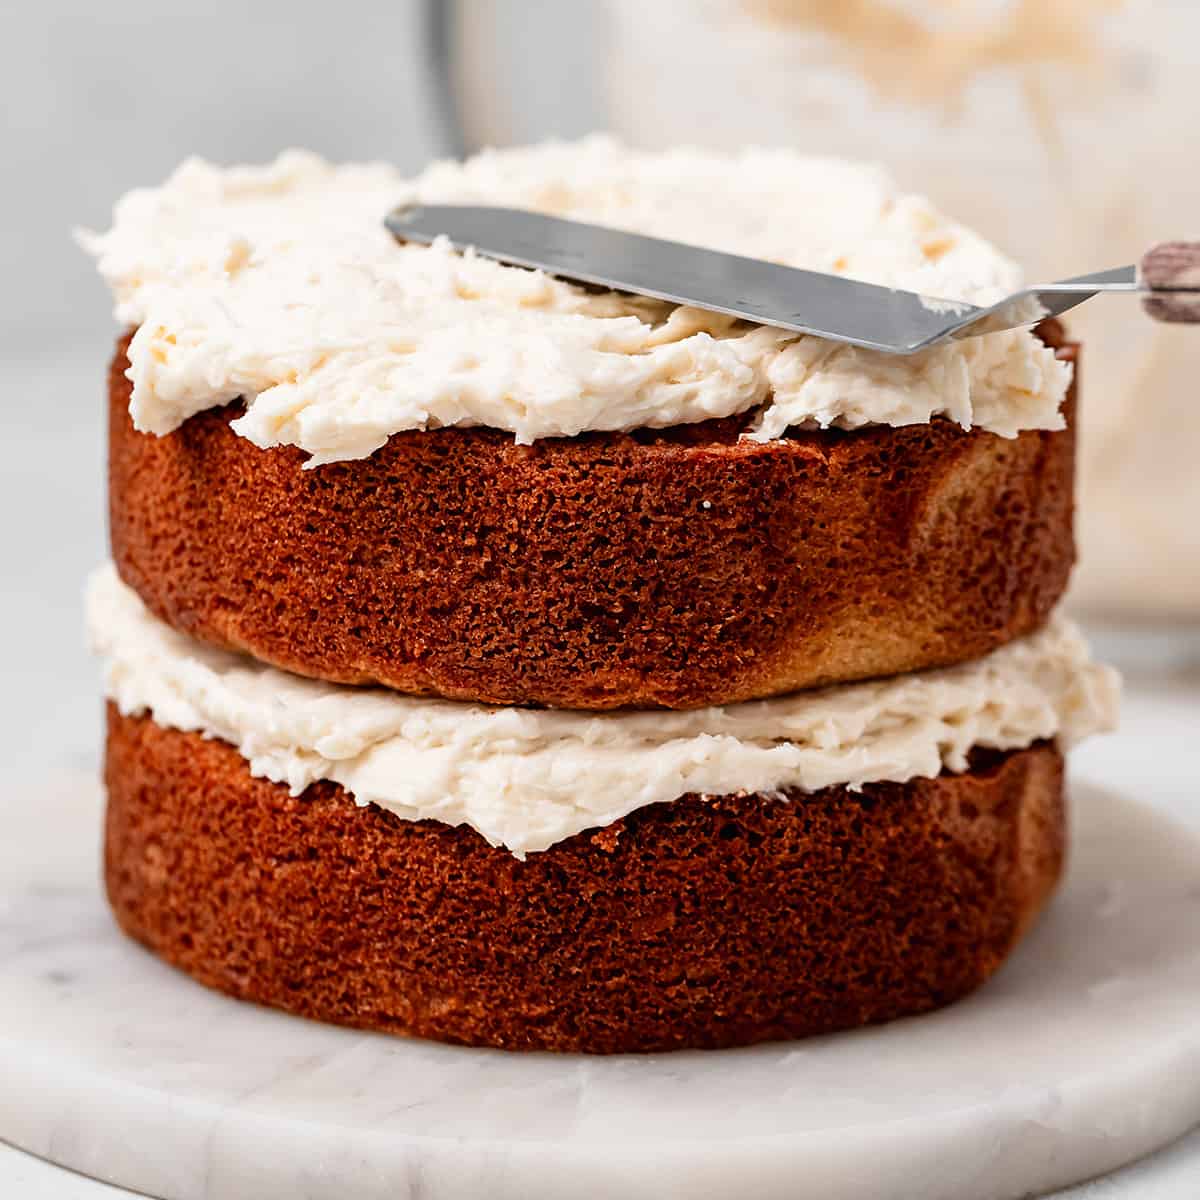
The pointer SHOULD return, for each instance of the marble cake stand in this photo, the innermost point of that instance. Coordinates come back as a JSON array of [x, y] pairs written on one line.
[[1083, 1054]]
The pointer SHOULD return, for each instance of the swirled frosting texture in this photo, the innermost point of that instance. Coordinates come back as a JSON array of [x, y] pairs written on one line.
[[279, 285], [526, 778]]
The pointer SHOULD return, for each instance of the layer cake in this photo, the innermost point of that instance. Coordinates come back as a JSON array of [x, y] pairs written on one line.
[[511, 663]]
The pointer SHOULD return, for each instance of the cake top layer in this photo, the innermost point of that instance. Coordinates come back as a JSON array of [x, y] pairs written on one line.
[[527, 778], [278, 284]]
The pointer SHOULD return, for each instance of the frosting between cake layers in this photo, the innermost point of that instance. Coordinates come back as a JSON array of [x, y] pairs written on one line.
[[280, 286], [526, 778]]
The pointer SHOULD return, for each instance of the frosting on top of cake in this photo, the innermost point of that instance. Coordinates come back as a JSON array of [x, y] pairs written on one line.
[[528, 778], [279, 284]]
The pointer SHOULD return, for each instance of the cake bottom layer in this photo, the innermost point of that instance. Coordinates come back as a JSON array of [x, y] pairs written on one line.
[[692, 924]]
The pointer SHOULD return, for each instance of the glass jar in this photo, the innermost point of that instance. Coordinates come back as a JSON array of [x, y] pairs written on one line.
[[1064, 131]]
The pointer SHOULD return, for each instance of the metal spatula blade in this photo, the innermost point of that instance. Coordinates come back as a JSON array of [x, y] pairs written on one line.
[[829, 306]]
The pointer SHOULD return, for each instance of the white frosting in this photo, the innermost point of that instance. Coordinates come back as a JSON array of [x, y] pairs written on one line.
[[280, 285], [528, 778]]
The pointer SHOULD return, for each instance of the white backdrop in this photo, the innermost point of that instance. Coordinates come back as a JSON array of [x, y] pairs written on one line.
[[100, 97]]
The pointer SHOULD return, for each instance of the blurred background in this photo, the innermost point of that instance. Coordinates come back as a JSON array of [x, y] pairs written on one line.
[[1065, 130]]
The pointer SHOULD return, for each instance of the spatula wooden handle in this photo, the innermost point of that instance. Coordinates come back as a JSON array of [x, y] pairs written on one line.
[[1166, 269]]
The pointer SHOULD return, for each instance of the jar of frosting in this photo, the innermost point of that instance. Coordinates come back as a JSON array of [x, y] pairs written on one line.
[[1065, 132]]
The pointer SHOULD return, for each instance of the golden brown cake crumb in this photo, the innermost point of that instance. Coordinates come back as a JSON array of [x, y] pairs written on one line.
[[698, 923], [672, 568]]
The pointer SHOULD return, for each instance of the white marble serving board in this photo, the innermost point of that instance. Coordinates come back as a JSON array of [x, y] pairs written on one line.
[[1081, 1055]]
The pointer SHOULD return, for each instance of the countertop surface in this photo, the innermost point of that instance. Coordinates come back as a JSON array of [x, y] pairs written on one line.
[[51, 494]]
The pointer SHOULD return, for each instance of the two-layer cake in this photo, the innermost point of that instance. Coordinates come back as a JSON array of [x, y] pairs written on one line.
[[505, 662]]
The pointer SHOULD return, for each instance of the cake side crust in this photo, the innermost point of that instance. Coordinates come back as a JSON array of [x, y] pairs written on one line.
[[676, 568], [698, 923]]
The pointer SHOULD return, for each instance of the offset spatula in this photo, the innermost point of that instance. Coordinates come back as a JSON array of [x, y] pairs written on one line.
[[829, 306]]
